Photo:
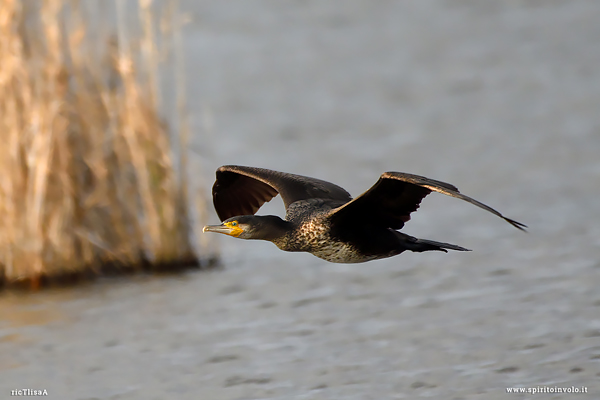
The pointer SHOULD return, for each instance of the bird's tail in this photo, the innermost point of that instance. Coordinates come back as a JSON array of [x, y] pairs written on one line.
[[420, 245], [426, 245]]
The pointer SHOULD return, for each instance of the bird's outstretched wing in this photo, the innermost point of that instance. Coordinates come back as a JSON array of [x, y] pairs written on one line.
[[395, 196], [243, 190]]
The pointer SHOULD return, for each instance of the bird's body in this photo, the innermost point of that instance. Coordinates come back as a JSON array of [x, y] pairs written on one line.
[[322, 218], [310, 231]]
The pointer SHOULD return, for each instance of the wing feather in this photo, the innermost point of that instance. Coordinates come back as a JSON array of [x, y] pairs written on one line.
[[396, 195], [242, 190]]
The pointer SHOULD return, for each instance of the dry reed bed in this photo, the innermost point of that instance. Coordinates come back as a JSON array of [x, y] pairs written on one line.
[[87, 174]]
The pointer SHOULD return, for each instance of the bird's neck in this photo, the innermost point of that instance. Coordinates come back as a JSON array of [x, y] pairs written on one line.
[[277, 228]]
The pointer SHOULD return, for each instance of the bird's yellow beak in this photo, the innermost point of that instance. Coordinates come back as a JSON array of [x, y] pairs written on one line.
[[225, 228]]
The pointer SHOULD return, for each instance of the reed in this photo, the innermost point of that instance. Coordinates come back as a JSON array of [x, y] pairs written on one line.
[[88, 180]]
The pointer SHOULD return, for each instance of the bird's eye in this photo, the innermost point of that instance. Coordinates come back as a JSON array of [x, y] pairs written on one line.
[[234, 223]]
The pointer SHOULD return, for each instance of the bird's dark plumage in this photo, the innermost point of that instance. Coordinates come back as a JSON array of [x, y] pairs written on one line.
[[323, 219], [243, 190]]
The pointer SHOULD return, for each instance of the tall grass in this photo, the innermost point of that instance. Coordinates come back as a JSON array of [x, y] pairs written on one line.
[[87, 174]]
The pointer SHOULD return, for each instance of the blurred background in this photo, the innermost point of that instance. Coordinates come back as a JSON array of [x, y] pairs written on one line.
[[499, 98]]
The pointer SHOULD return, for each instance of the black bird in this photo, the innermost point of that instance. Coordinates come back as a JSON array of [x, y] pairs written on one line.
[[323, 219]]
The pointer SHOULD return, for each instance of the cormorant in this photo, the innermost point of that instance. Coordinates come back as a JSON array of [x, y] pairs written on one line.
[[323, 219]]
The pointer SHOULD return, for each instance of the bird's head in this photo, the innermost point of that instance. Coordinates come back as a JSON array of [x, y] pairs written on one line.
[[265, 227]]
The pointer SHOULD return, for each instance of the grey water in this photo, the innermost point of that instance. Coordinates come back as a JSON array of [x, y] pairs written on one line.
[[501, 99]]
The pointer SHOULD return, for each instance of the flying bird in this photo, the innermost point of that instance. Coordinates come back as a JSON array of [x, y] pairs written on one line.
[[323, 219]]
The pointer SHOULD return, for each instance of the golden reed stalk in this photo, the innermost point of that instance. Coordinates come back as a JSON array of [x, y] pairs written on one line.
[[87, 180]]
